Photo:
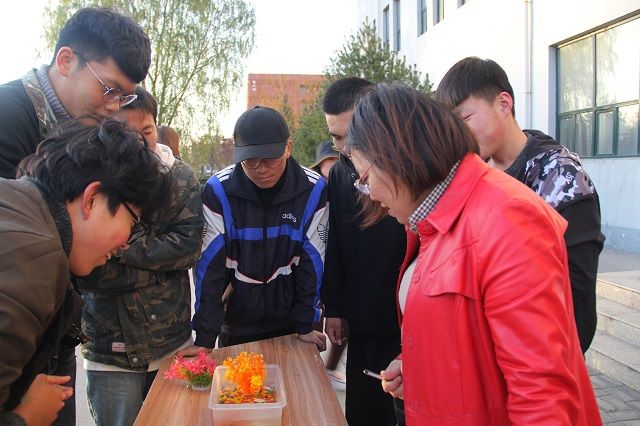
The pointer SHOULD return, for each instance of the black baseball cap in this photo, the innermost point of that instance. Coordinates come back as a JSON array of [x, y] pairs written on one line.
[[323, 151], [260, 132]]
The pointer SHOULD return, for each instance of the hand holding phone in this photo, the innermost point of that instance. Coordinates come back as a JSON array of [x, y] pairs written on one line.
[[372, 374]]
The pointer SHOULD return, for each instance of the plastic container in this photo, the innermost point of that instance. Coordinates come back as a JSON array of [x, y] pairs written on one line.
[[262, 414]]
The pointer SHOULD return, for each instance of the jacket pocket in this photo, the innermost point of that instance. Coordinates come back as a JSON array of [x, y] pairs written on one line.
[[454, 272], [100, 321], [163, 300]]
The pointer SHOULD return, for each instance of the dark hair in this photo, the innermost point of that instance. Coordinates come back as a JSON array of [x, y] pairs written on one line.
[[409, 136], [168, 136], [343, 94], [76, 155], [145, 102], [473, 76], [99, 33]]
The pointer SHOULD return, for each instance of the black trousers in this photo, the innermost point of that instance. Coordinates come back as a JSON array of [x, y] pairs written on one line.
[[366, 403]]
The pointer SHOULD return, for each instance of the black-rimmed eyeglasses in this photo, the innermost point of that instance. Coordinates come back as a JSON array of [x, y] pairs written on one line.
[[134, 216], [111, 94]]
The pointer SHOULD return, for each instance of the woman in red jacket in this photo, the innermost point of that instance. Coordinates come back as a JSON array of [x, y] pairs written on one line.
[[488, 336]]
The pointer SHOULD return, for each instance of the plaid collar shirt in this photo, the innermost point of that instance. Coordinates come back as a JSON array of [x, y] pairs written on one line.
[[430, 202]]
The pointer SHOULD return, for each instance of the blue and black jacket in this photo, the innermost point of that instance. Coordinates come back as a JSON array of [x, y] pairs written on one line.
[[261, 268]]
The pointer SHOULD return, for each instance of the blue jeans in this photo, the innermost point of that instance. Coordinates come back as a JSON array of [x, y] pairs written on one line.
[[66, 366], [115, 398]]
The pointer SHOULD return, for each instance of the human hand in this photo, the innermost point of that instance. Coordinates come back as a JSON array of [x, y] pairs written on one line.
[[336, 330], [193, 350], [392, 379], [316, 337], [44, 399]]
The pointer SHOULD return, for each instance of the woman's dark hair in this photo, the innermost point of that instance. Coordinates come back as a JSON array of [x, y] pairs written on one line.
[[77, 155], [410, 137], [170, 137], [100, 33]]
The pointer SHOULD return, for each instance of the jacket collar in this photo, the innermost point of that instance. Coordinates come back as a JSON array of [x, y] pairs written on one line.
[[295, 183], [452, 202], [59, 214]]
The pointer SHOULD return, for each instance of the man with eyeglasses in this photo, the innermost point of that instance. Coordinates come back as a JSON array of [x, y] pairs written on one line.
[[260, 270], [66, 214], [99, 58]]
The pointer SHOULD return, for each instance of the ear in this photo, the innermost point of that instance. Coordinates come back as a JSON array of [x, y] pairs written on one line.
[[289, 147], [64, 60], [505, 103], [87, 199]]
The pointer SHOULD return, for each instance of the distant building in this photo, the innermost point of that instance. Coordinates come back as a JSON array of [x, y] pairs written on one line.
[[574, 66], [286, 93]]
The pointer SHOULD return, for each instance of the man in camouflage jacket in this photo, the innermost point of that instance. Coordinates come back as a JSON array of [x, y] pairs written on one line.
[[137, 307], [480, 92]]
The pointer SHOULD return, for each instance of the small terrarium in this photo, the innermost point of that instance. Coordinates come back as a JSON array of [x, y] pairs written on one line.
[[247, 390]]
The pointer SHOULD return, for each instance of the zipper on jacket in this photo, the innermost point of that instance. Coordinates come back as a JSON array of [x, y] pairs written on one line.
[[264, 262]]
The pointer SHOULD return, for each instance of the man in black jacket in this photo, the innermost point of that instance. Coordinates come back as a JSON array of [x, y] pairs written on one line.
[[361, 273], [261, 265], [99, 59], [481, 94]]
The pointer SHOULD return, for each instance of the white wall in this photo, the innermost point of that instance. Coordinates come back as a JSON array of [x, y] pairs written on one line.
[[498, 29]]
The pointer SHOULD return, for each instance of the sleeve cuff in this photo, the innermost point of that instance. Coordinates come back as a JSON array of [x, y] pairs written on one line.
[[12, 419], [206, 341], [303, 328], [332, 312]]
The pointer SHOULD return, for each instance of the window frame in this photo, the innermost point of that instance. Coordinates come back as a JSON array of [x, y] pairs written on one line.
[[385, 27], [397, 40], [422, 17], [595, 110]]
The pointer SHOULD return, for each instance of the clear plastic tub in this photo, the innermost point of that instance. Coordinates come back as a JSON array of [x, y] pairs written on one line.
[[263, 414]]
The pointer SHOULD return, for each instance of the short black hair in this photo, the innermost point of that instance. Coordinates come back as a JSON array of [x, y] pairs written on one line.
[[473, 76], [76, 155], [343, 94], [144, 102], [99, 33]]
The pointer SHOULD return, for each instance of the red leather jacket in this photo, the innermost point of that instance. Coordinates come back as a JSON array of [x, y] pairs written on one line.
[[488, 336]]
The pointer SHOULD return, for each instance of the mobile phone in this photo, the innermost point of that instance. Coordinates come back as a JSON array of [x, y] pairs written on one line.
[[372, 374]]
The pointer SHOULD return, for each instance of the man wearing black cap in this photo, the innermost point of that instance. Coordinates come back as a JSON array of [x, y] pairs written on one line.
[[261, 266], [326, 157]]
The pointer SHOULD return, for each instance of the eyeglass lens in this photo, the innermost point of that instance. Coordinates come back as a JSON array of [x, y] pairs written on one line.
[[254, 163]]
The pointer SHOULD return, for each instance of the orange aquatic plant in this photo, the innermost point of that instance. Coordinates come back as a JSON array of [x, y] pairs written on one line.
[[247, 371]]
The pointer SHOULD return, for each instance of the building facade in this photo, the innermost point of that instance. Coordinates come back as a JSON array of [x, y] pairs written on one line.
[[286, 93], [574, 66]]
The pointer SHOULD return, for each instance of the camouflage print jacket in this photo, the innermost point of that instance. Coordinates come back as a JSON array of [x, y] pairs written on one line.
[[557, 175], [27, 115], [138, 306]]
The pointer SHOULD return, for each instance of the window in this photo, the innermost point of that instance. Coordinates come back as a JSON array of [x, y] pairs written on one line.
[[385, 27], [438, 10], [422, 16], [396, 25], [599, 91]]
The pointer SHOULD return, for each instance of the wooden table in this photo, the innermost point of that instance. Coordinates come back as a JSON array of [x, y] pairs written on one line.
[[310, 398]]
